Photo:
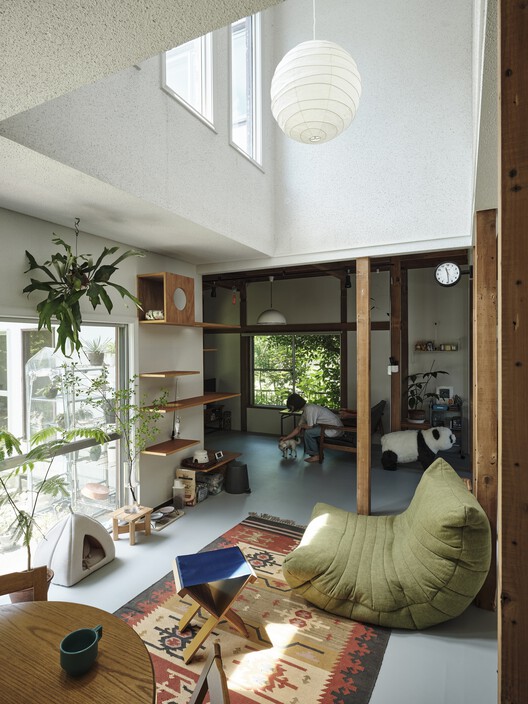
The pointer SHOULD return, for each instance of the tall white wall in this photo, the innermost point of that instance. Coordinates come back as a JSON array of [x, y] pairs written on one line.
[[401, 175], [152, 347]]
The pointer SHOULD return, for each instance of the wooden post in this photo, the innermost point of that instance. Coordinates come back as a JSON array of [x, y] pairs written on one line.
[[395, 342], [245, 365], [344, 346], [404, 362], [485, 391], [363, 384], [513, 354]]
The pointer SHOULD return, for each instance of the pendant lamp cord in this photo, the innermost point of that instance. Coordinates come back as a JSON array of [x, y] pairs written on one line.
[[313, 5]]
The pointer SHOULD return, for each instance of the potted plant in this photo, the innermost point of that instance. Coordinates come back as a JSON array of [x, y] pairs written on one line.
[[67, 278], [95, 350], [45, 446], [417, 393], [135, 424]]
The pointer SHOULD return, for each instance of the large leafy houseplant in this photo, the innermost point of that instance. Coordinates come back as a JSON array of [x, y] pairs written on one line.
[[45, 446], [69, 277], [136, 424], [417, 393]]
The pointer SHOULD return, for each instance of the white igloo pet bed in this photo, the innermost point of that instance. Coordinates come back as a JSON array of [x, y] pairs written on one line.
[[74, 548]]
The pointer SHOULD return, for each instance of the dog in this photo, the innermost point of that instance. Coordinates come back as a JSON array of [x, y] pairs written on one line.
[[289, 448]]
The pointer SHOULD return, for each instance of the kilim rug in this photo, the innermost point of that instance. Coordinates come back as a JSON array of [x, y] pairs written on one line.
[[296, 653]]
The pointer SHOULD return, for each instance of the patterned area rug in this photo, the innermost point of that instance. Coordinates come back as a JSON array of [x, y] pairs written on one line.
[[296, 654]]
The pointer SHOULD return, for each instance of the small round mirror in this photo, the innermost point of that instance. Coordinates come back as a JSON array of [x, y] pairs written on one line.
[[180, 299]]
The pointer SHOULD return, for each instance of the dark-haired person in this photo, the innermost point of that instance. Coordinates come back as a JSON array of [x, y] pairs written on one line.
[[312, 415]]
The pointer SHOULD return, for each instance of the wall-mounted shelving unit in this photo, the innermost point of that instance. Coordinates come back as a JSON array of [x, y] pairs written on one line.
[[174, 296]]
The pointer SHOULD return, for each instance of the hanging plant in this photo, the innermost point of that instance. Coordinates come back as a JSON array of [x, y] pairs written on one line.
[[69, 277]]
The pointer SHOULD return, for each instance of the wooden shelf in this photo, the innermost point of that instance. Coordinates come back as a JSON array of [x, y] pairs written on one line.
[[208, 326], [164, 375], [173, 294], [217, 326], [169, 447], [211, 397]]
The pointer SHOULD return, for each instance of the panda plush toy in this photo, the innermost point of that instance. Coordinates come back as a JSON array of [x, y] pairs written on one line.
[[411, 445]]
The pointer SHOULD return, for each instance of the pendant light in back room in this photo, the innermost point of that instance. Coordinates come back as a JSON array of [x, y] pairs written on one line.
[[315, 91], [271, 316]]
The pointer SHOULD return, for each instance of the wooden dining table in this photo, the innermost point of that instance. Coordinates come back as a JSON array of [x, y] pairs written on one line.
[[30, 671]]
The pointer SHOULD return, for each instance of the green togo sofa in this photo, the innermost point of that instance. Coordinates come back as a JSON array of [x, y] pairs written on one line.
[[411, 570]]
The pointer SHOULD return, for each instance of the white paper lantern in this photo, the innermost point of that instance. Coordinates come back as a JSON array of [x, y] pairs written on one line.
[[315, 92]]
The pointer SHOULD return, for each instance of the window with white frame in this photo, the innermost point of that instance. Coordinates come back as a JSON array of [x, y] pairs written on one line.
[[245, 68], [188, 75], [33, 397]]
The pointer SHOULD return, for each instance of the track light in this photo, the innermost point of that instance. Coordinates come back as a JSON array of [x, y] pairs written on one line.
[[348, 283]]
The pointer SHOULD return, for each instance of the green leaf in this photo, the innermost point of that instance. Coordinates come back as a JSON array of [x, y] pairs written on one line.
[[104, 273], [106, 300], [125, 294]]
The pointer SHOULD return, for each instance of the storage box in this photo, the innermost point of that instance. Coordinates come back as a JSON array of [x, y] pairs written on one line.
[[213, 481], [195, 491]]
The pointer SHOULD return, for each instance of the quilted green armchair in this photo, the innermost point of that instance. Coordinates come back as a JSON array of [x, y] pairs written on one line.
[[411, 570]]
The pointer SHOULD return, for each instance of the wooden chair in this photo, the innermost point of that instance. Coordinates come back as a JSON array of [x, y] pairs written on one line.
[[212, 680], [346, 442], [37, 578]]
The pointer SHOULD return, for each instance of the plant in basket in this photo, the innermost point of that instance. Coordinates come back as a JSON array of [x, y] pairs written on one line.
[[417, 393]]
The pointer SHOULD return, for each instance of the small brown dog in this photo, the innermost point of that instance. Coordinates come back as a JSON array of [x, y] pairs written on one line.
[[289, 448]]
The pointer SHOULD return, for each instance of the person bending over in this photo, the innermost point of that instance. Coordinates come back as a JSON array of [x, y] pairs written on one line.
[[312, 415]]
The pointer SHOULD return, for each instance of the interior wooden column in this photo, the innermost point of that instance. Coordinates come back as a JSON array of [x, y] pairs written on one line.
[[485, 385], [395, 343], [244, 360], [344, 346], [363, 384], [513, 354], [404, 361]]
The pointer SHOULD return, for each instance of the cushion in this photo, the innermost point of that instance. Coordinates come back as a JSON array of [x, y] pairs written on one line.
[[412, 570]]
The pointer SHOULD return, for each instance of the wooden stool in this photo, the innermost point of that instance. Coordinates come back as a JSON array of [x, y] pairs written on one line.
[[213, 580], [133, 522]]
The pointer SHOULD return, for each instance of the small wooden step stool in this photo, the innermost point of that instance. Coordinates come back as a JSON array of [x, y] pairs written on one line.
[[140, 520], [213, 579]]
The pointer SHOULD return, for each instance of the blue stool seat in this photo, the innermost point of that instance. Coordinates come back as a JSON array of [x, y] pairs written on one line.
[[213, 580]]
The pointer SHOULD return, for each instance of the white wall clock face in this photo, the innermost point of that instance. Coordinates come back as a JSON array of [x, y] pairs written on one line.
[[447, 274]]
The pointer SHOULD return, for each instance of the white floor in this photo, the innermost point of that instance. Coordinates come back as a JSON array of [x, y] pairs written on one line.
[[455, 663]]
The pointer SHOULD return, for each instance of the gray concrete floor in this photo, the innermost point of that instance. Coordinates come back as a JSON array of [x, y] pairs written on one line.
[[454, 663]]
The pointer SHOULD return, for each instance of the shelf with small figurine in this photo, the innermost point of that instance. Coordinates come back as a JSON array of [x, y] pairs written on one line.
[[429, 346]]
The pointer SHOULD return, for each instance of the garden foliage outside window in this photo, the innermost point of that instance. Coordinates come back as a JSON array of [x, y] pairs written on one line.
[[305, 364]]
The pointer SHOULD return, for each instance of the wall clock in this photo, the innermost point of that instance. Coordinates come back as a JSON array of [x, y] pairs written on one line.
[[447, 274]]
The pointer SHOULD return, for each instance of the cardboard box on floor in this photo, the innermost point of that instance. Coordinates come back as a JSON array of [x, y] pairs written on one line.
[[194, 490], [188, 477]]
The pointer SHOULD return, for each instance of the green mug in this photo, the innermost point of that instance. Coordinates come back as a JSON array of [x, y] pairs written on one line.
[[78, 650]]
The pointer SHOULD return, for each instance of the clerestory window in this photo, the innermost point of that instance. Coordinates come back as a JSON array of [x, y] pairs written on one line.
[[188, 76], [245, 72]]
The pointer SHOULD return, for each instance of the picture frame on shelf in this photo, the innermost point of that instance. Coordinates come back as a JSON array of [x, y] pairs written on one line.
[[219, 455], [445, 392]]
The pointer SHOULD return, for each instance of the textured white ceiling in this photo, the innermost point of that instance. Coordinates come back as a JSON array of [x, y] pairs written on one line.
[[50, 47]]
